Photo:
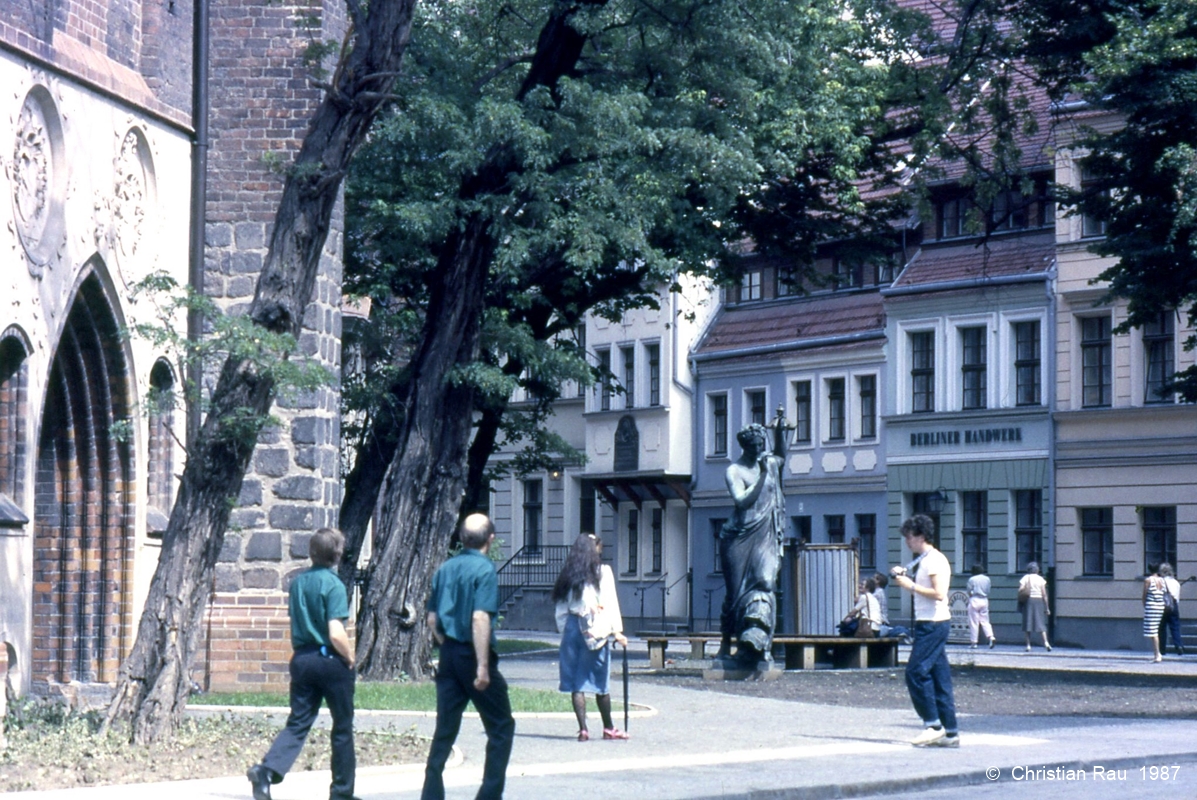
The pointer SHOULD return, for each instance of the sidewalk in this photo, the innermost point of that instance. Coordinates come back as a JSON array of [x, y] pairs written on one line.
[[690, 743]]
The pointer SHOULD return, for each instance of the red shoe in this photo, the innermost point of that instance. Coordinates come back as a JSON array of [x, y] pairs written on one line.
[[583, 735], [614, 733]]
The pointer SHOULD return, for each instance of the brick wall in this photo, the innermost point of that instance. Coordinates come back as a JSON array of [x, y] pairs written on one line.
[[141, 51], [248, 643]]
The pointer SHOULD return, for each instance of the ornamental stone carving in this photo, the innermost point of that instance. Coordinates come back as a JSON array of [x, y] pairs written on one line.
[[37, 175], [131, 193]]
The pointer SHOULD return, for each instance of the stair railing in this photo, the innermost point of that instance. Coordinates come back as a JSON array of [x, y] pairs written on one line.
[[536, 566]]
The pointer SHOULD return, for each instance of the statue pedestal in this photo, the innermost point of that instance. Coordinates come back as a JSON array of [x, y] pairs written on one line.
[[718, 673]]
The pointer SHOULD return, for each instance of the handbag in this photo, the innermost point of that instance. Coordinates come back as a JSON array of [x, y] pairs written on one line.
[[596, 628], [1170, 605], [1024, 593]]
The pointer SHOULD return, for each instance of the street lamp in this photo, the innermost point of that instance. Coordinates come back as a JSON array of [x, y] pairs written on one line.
[[937, 500]]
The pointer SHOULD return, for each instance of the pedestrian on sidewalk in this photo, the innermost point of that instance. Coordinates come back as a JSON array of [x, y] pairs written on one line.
[[1032, 601], [1153, 612], [321, 669], [1171, 620], [978, 588], [881, 580], [461, 608], [589, 619], [928, 676]]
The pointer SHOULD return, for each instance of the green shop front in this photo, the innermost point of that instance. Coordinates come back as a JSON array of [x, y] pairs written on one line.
[[985, 479]]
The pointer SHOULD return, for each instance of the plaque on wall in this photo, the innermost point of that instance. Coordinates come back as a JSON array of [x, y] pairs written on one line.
[[627, 446]]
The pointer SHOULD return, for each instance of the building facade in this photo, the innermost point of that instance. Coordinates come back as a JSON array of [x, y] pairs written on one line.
[[820, 358], [1126, 452], [96, 176]]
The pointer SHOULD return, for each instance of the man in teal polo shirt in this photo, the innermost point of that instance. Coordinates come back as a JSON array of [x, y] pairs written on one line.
[[321, 669], [464, 601]]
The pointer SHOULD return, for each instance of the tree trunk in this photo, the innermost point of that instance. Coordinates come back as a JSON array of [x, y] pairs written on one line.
[[154, 679], [423, 486], [362, 486]]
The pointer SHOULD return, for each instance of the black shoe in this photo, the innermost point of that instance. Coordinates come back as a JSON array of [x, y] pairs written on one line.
[[260, 778]]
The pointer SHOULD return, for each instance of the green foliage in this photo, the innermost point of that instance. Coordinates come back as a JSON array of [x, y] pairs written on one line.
[[1133, 62], [226, 336], [682, 128]]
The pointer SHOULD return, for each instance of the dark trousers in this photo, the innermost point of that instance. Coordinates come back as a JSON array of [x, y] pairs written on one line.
[[928, 676], [1170, 623], [316, 677], [454, 688]]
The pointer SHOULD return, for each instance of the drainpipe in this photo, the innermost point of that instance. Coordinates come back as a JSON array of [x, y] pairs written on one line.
[[199, 199], [1052, 505]]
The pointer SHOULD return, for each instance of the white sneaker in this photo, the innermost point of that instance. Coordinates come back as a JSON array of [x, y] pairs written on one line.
[[947, 741], [928, 736]]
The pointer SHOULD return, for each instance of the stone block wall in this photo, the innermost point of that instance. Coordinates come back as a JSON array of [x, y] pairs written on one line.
[[262, 101]]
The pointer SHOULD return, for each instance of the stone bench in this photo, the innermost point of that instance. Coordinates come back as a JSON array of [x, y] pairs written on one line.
[[800, 652]]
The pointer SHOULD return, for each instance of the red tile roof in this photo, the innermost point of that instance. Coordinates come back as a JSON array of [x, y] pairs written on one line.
[[1023, 255], [798, 320]]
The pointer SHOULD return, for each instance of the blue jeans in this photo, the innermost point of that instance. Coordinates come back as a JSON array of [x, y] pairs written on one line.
[[928, 676]]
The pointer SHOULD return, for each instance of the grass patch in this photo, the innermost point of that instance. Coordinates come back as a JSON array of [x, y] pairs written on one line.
[[396, 696]]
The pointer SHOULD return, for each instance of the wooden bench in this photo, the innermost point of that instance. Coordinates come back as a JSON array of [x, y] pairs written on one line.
[[800, 652]]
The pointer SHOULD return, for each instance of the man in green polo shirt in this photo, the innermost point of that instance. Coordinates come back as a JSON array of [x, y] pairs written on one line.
[[321, 669], [464, 601]]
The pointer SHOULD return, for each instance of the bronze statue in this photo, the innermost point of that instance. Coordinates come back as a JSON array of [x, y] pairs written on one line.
[[750, 548]]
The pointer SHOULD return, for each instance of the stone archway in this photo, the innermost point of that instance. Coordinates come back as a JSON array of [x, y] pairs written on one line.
[[83, 512]]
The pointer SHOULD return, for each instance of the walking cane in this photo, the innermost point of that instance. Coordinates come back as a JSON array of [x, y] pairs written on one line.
[[625, 687]]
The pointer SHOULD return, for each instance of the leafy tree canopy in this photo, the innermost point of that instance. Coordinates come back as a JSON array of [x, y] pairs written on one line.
[[682, 130]]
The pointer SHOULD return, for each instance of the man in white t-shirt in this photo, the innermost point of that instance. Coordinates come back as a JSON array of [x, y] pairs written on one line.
[[928, 676]]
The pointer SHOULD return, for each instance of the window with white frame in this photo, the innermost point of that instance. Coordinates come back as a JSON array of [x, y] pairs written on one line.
[[802, 412], [580, 340], [633, 540], [1028, 528], [1027, 375], [629, 376], [836, 410], [1091, 226], [834, 524], [718, 406], [658, 538], [1097, 388], [1097, 541], [1159, 536], [754, 401], [922, 371], [604, 384], [973, 368], [866, 389], [653, 351], [866, 539], [533, 514], [750, 286], [1159, 357], [974, 530]]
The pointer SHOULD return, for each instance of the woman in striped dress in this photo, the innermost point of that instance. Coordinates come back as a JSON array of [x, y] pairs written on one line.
[[1153, 611]]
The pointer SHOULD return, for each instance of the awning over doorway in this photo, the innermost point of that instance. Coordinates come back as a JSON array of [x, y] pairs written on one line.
[[652, 486]]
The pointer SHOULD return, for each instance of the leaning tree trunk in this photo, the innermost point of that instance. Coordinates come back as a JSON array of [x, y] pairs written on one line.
[[363, 484], [422, 492], [423, 487], [154, 679]]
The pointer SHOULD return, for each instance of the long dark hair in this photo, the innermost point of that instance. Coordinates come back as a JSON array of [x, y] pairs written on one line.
[[581, 568]]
